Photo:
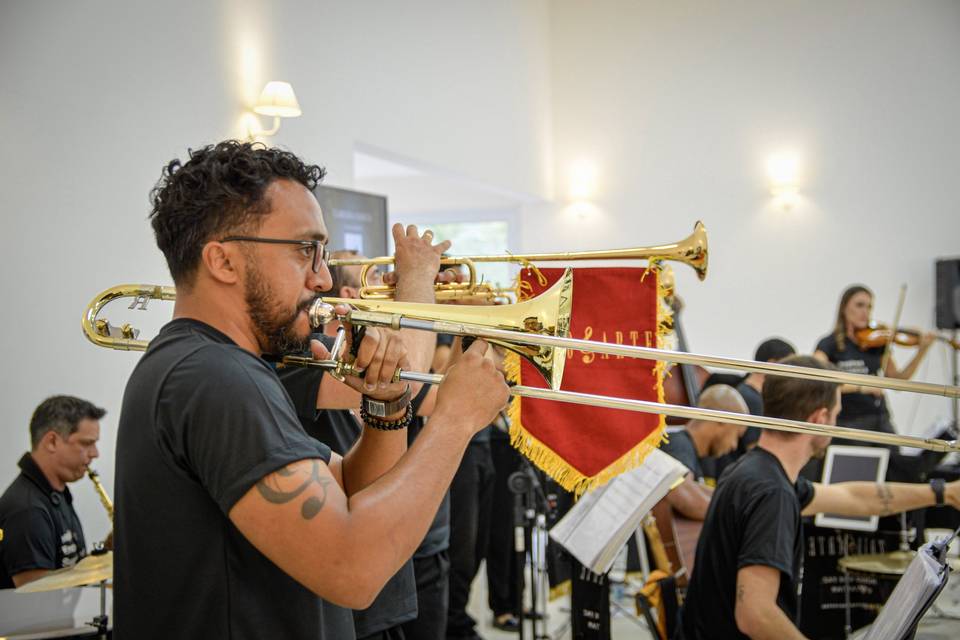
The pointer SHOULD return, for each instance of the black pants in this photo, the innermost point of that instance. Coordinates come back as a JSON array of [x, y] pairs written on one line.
[[501, 559], [471, 498], [432, 574]]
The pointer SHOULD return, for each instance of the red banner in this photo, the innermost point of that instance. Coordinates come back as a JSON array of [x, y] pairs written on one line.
[[582, 446]]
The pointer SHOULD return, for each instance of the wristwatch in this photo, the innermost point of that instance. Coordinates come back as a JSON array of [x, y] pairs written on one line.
[[381, 409], [937, 484]]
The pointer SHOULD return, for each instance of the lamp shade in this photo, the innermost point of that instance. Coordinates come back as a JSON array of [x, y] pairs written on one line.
[[278, 99]]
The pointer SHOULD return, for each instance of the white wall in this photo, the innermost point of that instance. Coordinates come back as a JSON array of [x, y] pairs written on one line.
[[678, 105], [96, 96]]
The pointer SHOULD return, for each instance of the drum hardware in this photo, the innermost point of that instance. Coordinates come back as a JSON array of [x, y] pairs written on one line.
[[93, 570]]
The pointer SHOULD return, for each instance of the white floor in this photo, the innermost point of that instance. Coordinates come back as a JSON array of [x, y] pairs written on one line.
[[558, 618]]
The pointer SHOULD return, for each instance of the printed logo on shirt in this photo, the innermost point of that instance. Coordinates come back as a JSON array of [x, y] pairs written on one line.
[[853, 366], [68, 549]]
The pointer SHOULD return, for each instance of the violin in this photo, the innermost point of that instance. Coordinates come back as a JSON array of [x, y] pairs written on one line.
[[879, 335]]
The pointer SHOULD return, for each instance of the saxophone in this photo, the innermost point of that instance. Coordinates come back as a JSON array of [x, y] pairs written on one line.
[[107, 544]]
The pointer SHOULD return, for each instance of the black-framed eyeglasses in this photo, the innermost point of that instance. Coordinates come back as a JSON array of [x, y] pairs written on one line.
[[320, 252]]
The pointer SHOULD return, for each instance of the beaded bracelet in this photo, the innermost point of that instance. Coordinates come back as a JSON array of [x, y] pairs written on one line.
[[387, 425]]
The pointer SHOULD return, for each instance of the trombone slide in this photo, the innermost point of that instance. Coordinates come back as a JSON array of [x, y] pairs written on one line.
[[385, 318], [689, 413]]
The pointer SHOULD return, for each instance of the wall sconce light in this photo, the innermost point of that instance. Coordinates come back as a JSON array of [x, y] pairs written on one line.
[[278, 100], [783, 169], [583, 181]]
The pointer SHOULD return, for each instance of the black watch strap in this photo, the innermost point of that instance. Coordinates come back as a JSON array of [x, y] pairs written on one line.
[[381, 409], [938, 485]]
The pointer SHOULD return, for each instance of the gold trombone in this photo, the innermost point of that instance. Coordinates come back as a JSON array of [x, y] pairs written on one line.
[[538, 329], [691, 251]]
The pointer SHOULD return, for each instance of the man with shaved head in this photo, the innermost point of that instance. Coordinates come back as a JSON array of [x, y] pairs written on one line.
[[699, 439]]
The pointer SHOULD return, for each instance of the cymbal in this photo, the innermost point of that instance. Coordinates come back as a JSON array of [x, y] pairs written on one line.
[[90, 570], [892, 564]]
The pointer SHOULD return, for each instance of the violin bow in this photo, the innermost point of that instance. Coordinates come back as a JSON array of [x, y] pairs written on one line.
[[893, 328]]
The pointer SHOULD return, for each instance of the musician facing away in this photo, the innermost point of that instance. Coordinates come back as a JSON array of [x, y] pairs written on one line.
[[749, 558], [326, 408], [699, 439], [41, 530], [230, 520]]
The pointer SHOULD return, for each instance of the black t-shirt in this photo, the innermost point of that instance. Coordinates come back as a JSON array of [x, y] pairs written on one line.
[[303, 384], [681, 447], [338, 429], [438, 536], [753, 519], [752, 398], [853, 359], [40, 528], [202, 421]]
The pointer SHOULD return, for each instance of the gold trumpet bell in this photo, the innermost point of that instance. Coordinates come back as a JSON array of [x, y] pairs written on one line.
[[548, 314]]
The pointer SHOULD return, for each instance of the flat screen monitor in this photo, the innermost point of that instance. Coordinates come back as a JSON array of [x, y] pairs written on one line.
[[844, 464], [355, 220]]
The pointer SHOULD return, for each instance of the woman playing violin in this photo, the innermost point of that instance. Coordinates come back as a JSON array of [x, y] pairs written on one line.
[[849, 348]]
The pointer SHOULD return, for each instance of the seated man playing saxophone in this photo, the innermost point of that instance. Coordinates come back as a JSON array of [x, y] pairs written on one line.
[[41, 530]]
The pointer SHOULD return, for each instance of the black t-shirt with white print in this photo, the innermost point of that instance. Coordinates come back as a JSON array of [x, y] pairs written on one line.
[[753, 519], [40, 528], [853, 359], [203, 420]]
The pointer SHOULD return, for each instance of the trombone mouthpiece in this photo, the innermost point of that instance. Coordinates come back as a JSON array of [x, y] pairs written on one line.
[[321, 313]]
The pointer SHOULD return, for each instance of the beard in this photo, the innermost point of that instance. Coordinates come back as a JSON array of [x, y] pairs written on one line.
[[275, 328], [819, 448]]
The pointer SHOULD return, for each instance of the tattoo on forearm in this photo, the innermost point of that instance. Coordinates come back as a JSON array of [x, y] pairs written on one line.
[[273, 490], [885, 495], [740, 592]]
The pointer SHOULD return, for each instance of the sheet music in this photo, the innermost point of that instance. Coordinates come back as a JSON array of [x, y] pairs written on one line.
[[922, 581], [598, 525]]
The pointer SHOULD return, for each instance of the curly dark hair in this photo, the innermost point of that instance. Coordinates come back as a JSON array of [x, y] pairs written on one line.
[[61, 414], [219, 191]]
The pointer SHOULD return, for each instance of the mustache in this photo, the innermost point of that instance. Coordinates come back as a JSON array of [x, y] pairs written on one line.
[[306, 304]]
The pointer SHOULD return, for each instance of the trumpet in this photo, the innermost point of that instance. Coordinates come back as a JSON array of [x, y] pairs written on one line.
[[538, 330], [691, 251]]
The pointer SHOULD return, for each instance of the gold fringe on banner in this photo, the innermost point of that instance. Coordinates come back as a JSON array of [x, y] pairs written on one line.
[[552, 464], [562, 589]]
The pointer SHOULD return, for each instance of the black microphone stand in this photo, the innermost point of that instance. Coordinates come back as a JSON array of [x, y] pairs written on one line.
[[530, 507]]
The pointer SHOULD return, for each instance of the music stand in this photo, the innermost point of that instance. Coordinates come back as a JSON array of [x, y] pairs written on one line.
[[904, 604]]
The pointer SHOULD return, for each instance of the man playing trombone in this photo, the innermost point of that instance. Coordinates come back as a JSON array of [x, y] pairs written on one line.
[[231, 521], [749, 558]]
